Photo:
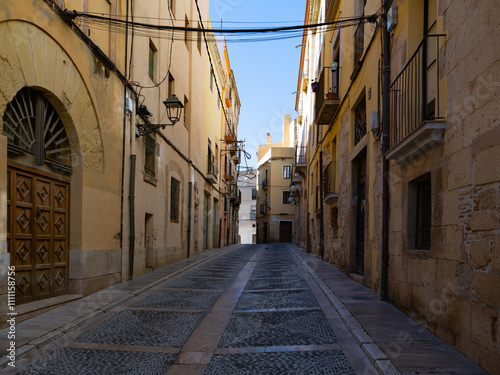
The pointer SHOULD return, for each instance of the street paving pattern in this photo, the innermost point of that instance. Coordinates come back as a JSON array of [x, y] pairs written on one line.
[[70, 361], [280, 363], [250, 310], [284, 328]]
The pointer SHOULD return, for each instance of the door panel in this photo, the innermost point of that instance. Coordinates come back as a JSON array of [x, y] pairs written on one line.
[[286, 231], [38, 234]]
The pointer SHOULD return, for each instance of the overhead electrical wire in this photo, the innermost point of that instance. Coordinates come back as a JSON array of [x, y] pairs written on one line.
[[165, 31], [232, 35]]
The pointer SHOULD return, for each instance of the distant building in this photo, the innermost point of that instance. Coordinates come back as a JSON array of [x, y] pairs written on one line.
[[247, 184], [275, 215]]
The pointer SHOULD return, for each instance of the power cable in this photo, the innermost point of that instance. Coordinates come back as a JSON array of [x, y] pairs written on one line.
[[74, 14]]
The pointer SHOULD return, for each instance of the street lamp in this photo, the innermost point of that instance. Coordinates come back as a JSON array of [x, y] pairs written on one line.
[[174, 109]]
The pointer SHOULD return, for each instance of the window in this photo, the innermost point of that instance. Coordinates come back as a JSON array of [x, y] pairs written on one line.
[[253, 212], [254, 194], [186, 33], [212, 81], [171, 85], [186, 113], [359, 34], [149, 164], [211, 166], [419, 213], [175, 189], [360, 121], [46, 139], [152, 58], [286, 195], [287, 171], [198, 40]]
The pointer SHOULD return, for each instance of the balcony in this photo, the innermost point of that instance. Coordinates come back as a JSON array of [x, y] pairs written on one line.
[[213, 170], [233, 192], [301, 160], [264, 184], [263, 208], [327, 101], [330, 193], [415, 119]]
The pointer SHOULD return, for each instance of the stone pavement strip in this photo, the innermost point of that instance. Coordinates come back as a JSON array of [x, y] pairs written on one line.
[[241, 310]]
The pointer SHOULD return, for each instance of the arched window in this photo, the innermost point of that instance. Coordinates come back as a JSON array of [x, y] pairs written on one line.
[[33, 126]]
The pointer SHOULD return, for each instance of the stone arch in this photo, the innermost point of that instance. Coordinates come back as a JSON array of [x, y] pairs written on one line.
[[32, 58]]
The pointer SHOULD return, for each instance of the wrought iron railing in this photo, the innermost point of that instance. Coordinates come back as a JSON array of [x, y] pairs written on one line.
[[264, 183], [327, 85], [301, 155], [414, 94]]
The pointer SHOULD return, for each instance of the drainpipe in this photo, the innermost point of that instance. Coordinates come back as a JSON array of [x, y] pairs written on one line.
[[190, 198], [124, 137], [131, 201], [385, 147], [321, 224]]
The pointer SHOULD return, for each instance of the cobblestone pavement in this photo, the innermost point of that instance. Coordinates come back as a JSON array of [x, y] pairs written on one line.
[[247, 310]]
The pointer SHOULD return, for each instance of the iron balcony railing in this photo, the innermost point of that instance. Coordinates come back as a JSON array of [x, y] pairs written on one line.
[[327, 94], [233, 191], [414, 94], [264, 183], [301, 155]]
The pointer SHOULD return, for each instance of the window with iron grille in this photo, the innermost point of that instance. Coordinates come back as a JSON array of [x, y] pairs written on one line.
[[419, 213], [360, 121], [175, 189], [33, 126], [286, 195], [149, 165], [423, 218]]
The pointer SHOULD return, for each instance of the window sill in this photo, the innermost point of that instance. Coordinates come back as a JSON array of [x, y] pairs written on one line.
[[150, 179], [419, 254]]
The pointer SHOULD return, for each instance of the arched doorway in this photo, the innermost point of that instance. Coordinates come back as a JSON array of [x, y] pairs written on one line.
[[38, 212]]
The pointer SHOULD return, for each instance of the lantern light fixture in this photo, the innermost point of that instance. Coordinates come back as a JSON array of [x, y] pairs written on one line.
[[174, 110]]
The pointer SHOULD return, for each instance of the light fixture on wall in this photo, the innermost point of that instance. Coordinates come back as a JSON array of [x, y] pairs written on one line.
[[174, 109]]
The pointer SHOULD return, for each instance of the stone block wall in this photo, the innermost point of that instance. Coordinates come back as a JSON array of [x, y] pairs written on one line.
[[453, 289]]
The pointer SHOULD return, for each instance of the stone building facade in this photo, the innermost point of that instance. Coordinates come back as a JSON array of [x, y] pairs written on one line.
[[86, 199], [449, 279], [438, 167]]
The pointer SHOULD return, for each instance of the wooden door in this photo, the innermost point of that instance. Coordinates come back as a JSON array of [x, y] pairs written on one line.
[[38, 233], [286, 231]]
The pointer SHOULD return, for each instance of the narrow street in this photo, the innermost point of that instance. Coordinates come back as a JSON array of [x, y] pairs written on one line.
[[246, 309]]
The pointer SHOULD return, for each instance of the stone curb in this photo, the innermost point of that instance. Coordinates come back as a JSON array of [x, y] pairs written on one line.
[[376, 356], [46, 338]]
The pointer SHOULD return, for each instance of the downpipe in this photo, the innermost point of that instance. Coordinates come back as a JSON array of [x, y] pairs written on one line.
[[386, 74], [131, 201]]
